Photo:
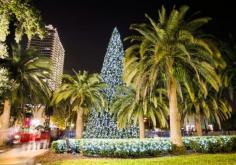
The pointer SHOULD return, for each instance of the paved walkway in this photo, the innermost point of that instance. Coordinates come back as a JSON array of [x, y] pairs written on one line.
[[18, 156]]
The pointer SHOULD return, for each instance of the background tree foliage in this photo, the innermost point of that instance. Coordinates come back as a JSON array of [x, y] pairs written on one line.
[[168, 52], [17, 17], [24, 17], [82, 93]]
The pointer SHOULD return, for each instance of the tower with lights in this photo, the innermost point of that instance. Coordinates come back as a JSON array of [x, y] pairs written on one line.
[[51, 46]]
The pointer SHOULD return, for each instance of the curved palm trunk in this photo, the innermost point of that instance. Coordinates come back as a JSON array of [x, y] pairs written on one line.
[[4, 122], [141, 127], [79, 124], [198, 121], [175, 130]]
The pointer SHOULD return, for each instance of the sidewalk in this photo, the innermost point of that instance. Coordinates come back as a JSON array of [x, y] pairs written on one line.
[[17, 156]]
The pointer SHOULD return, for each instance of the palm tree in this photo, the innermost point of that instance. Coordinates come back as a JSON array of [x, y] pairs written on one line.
[[229, 72], [228, 75], [126, 108], [62, 114], [166, 51], [212, 107], [83, 92], [28, 72], [27, 21]]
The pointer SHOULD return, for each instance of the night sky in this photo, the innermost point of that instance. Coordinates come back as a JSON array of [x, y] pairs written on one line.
[[85, 27]]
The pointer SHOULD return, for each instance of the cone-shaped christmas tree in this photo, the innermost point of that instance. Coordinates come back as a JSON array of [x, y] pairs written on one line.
[[101, 125]]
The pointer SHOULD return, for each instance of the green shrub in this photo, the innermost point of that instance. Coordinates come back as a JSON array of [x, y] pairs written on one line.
[[145, 147], [212, 144], [125, 147], [234, 143], [58, 146], [61, 146]]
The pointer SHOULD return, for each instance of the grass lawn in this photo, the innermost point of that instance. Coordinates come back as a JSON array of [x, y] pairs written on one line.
[[194, 159]]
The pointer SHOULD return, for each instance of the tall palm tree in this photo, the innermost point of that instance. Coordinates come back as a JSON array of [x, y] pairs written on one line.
[[83, 91], [126, 108], [212, 107], [28, 72], [165, 51], [26, 20]]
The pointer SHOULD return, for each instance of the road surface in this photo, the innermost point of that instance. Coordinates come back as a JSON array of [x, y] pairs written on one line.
[[20, 156]]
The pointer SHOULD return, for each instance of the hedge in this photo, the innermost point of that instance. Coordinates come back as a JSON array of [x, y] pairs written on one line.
[[69, 145], [213, 144], [143, 147], [125, 147]]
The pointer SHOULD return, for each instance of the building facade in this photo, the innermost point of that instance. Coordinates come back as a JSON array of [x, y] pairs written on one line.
[[51, 46]]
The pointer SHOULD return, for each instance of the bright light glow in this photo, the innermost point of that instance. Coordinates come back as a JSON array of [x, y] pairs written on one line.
[[17, 136], [52, 126], [210, 127], [190, 127], [35, 122]]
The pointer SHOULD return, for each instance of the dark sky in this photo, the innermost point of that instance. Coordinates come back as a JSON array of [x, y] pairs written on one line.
[[85, 27]]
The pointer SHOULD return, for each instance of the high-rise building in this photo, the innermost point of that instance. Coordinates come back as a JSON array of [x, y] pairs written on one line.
[[51, 46]]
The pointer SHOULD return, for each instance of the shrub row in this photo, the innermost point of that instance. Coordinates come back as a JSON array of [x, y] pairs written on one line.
[[143, 148], [211, 144], [125, 147], [69, 145]]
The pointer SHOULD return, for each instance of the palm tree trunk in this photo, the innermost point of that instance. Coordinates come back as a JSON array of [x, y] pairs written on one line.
[[141, 127], [39, 113], [4, 122], [218, 122], [198, 121], [79, 124], [175, 130]]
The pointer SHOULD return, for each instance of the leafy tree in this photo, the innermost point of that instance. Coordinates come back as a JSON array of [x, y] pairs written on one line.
[[166, 51], [23, 19], [83, 93], [127, 108], [4, 80], [28, 72]]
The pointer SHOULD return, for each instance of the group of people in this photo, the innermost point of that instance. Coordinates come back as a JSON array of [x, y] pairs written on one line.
[[29, 138], [35, 140]]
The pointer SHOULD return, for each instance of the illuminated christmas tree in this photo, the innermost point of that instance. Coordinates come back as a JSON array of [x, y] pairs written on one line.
[[102, 125]]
